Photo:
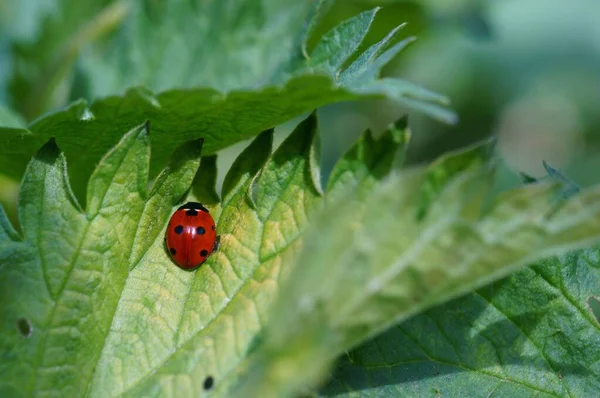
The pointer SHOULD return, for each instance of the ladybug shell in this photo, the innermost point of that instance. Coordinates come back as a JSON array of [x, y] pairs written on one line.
[[191, 235]]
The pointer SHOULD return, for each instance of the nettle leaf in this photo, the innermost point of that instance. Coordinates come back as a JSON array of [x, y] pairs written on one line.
[[91, 302], [65, 276], [372, 261], [533, 333], [217, 98]]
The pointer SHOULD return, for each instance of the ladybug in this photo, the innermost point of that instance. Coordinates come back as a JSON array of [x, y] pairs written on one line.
[[191, 236]]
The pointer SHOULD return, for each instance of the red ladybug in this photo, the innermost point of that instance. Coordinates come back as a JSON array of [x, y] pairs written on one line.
[[191, 235]]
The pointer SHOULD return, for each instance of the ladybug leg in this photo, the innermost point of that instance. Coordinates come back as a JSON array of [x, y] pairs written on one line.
[[216, 245]]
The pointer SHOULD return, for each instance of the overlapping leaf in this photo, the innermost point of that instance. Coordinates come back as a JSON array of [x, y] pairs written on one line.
[[369, 263], [296, 84], [531, 334]]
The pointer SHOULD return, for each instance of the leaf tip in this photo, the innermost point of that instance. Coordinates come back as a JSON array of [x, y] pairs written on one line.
[[49, 149], [314, 155], [146, 126], [400, 131], [197, 144], [248, 163], [400, 124], [251, 192], [527, 178]]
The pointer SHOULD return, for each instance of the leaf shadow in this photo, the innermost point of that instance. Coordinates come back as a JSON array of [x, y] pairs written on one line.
[[455, 345]]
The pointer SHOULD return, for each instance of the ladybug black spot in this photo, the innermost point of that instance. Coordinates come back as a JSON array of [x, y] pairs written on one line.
[[213, 227], [173, 251], [200, 231], [208, 383], [204, 253], [179, 229], [191, 212]]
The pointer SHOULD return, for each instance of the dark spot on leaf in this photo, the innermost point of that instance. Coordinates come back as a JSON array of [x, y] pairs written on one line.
[[173, 251], [208, 383], [179, 229], [191, 212], [200, 231], [204, 253], [25, 327], [217, 242]]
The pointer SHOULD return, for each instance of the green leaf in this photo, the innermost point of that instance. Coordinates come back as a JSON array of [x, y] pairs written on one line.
[[66, 277], [371, 262], [111, 314], [531, 334], [340, 43], [254, 98], [92, 305]]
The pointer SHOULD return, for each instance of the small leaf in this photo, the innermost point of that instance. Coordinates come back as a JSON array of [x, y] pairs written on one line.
[[371, 68], [319, 10], [341, 42], [361, 65]]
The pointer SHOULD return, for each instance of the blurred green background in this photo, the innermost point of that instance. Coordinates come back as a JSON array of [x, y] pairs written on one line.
[[527, 71]]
